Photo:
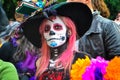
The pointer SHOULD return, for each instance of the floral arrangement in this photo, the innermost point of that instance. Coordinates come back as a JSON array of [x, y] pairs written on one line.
[[41, 3], [96, 69], [31, 7]]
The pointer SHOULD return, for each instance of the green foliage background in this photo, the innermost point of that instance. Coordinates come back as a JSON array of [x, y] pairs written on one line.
[[114, 7], [10, 5]]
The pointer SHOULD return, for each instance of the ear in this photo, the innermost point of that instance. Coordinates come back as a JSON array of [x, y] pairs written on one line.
[[69, 33]]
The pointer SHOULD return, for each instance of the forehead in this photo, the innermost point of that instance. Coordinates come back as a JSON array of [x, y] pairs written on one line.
[[54, 19], [119, 14]]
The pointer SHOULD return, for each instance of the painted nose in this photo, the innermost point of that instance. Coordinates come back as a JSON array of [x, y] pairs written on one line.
[[52, 33]]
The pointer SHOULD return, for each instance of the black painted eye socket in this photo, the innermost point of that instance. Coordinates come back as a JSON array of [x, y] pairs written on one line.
[[47, 28]]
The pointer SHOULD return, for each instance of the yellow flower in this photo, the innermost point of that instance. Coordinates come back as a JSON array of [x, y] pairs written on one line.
[[78, 68]]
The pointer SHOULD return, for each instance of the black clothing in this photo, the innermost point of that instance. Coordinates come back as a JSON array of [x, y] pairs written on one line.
[[6, 51]]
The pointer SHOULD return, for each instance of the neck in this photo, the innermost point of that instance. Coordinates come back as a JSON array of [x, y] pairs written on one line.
[[55, 52], [90, 5]]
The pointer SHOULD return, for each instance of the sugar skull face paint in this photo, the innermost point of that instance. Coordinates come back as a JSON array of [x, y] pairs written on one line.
[[55, 32]]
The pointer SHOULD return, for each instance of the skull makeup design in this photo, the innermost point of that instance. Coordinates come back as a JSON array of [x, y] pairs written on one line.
[[55, 32]]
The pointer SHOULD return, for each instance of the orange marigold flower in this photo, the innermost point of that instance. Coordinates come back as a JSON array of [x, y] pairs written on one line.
[[113, 69]]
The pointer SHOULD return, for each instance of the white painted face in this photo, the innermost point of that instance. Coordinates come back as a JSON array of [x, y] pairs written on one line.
[[55, 32]]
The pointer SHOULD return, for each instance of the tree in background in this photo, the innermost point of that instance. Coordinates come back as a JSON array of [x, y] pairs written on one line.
[[10, 5], [114, 7]]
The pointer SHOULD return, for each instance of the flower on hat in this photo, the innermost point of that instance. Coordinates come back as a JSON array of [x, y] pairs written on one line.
[[41, 4]]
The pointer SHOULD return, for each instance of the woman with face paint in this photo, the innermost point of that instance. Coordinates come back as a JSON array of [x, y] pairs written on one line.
[[54, 31]]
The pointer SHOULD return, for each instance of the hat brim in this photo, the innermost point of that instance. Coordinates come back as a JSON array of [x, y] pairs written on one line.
[[78, 12]]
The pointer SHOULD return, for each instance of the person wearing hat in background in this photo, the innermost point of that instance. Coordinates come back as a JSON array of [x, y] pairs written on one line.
[[103, 37], [9, 43], [7, 69], [9, 39], [25, 58], [54, 31], [4, 22], [8, 46]]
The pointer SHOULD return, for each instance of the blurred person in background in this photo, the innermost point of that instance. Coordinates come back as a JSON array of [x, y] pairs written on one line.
[[8, 39], [117, 19], [103, 38], [25, 58]]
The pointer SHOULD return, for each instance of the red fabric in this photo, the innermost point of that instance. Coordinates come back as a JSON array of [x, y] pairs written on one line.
[[52, 75]]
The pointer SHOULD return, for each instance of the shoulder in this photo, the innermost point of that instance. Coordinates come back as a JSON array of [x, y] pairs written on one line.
[[102, 19], [104, 23], [7, 70], [97, 18], [6, 65]]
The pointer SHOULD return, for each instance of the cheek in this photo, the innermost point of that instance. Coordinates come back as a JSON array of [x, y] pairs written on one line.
[[45, 35], [61, 33], [119, 18]]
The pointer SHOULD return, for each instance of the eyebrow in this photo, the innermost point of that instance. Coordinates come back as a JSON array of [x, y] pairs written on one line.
[[57, 24]]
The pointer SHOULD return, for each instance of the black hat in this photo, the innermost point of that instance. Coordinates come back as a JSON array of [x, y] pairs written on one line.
[[79, 13]]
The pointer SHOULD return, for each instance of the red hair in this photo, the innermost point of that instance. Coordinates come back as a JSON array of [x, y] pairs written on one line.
[[64, 58]]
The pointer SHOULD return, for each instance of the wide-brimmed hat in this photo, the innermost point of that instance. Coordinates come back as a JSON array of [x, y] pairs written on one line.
[[79, 13]]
